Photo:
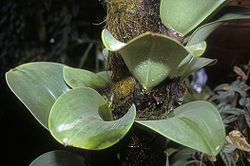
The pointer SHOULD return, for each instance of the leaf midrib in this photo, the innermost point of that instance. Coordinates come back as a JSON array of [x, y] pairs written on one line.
[[198, 130], [152, 45]]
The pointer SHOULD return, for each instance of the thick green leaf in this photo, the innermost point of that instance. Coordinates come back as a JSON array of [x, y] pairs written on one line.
[[106, 75], [183, 66], [105, 53], [37, 85], [197, 125], [74, 120], [182, 157], [76, 77], [226, 14], [185, 15], [192, 62], [196, 64], [58, 158], [197, 50], [150, 57]]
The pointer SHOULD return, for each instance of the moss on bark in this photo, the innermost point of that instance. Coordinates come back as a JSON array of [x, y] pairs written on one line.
[[127, 19]]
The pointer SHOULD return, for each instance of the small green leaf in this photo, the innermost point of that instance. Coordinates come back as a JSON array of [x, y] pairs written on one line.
[[193, 61], [197, 49], [106, 75], [226, 14], [105, 53], [197, 125], [185, 15], [37, 85], [196, 64], [110, 42], [74, 120], [182, 156], [75, 77], [105, 112], [150, 57], [58, 158]]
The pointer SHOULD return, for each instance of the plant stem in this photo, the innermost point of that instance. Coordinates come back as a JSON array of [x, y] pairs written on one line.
[[127, 19]]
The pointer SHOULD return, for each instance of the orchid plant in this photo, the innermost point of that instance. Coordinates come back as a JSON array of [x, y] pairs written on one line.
[[67, 102]]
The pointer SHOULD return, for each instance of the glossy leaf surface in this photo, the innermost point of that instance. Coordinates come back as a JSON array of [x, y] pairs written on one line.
[[185, 15], [37, 85], [192, 62], [150, 57], [58, 158], [197, 125], [196, 64], [198, 49], [106, 75], [74, 120], [226, 14], [76, 77]]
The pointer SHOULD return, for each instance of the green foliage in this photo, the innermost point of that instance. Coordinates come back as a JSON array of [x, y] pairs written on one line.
[[106, 75], [82, 109], [41, 85], [152, 57], [58, 158], [184, 16], [203, 134], [149, 57], [182, 157], [37, 85], [197, 49], [232, 102], [226, 14], [76, 120], [81, 117], [226, 95], [75, 77]]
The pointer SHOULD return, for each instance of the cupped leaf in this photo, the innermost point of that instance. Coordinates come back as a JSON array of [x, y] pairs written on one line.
[[182, 67], [105, 53], [192, 62], [197, 50], [74, 120], [150, 57], [226, 14], [106, 75], [76, 77], [185, 15], [37, 85], [58, 158], [182, 156], [196, 64], [197, 125]]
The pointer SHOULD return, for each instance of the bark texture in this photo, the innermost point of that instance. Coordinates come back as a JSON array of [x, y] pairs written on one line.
[[127, 19]]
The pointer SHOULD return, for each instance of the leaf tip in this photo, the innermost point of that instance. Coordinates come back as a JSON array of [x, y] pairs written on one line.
[[110, 42], [14, 69]]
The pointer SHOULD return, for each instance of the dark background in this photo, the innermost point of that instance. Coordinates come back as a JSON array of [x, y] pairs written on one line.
[[27, 31], [53, 30]]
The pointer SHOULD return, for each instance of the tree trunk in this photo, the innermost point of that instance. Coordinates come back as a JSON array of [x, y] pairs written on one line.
[[127, 19]]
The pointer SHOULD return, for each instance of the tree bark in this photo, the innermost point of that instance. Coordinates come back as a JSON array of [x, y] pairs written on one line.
[[127, 19]]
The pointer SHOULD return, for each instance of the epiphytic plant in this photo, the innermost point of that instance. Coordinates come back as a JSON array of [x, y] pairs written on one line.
[[74, 105]]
